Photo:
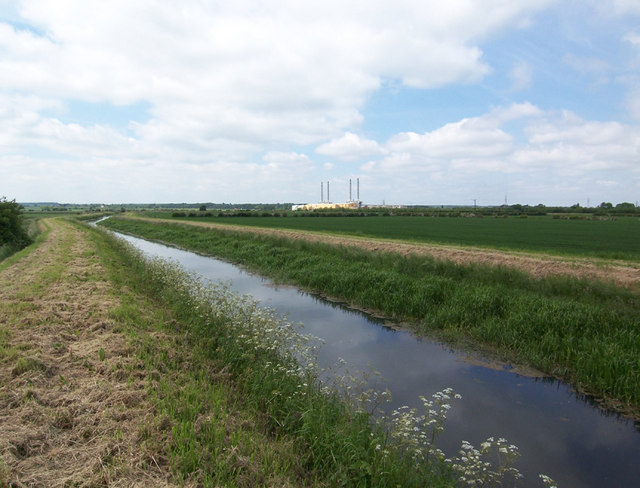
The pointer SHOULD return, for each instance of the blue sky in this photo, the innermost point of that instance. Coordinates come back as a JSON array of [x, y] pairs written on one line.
[[425, 102]]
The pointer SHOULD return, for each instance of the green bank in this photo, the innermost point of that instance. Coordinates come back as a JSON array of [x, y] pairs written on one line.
[[585, 332], [239, 389]]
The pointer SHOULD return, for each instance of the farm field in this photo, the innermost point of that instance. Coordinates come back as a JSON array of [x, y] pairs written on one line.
[[609, 239], [536, 264], [119, 372], [583, 331]]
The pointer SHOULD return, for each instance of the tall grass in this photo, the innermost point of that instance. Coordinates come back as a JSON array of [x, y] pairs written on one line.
[[273, 373], [587, 333]]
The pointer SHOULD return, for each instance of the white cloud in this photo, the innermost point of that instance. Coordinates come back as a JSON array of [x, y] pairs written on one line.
[[350, 147], [560, 154], [265, 69]]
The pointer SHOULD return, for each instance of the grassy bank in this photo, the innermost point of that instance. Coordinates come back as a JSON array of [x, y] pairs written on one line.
[[319, 439], [117, 371], [585, 332], [609, 239]]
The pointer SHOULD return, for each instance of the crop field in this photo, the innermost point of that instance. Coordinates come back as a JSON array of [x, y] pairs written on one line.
[[609, 239]]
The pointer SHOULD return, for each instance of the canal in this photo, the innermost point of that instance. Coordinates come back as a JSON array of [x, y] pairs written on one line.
[[558, 432]]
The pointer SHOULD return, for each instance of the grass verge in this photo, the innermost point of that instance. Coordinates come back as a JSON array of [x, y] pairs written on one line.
[[585, 332]]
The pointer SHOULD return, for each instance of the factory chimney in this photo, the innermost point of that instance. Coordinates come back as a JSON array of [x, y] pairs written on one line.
[[328, 198]]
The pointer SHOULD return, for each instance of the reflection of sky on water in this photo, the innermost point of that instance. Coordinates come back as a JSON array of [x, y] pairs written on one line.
[[558, 433]]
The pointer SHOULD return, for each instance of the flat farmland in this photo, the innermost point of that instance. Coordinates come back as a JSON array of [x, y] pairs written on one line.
[[608, 239]]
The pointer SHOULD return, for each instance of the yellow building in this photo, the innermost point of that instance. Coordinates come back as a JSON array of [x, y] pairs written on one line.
[[326, 206]]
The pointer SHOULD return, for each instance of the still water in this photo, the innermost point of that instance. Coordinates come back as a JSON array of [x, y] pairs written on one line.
[[558, 433]]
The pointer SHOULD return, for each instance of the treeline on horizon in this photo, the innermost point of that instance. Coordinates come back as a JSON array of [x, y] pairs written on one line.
[[574, 212], [209, 209]]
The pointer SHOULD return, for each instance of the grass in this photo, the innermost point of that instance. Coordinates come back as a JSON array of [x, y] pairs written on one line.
[[608, 239], [218, 353], [587, 333]]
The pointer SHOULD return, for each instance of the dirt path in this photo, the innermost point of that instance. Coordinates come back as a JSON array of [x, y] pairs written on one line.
[[625, 274], [70, 413]]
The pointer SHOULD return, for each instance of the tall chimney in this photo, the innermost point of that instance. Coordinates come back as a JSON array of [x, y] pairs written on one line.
[[321, 192], [328, 198], [350, 199], [358, 187]]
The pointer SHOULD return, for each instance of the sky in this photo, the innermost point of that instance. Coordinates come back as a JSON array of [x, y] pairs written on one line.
[[425, 102]]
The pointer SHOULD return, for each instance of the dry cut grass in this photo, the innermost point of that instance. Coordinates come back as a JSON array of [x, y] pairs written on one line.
[[72, 396]]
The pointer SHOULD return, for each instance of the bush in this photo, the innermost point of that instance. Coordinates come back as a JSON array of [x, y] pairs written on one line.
[[12, 231]]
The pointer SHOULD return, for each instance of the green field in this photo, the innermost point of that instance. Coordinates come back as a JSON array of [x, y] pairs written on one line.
[[609, 239]]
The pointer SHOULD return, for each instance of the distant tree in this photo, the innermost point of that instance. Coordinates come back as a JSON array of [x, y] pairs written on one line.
[[11, 229], [625, 206], [606, 205], [203, 208]]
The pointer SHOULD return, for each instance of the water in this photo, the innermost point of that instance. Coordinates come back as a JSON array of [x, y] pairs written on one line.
[[558, 432]]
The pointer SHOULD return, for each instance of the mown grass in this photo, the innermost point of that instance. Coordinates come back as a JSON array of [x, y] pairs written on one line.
[[609, 239], [242, 410], [585, 332]]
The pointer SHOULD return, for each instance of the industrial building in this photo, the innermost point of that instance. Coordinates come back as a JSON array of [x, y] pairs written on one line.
[[325, 205]]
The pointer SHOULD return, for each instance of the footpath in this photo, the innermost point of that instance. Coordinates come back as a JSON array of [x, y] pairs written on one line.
[[73, 399]]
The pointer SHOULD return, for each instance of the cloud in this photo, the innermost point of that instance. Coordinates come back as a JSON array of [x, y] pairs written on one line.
[[350, 147], [558, 153], [265, 70], [237, 95]]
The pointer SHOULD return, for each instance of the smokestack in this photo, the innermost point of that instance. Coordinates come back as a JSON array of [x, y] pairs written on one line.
[[328, 198], [321, 192], [350, 199], [358, 187]]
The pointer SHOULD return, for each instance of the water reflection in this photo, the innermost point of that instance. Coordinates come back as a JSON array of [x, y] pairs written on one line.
[[559, 432]]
